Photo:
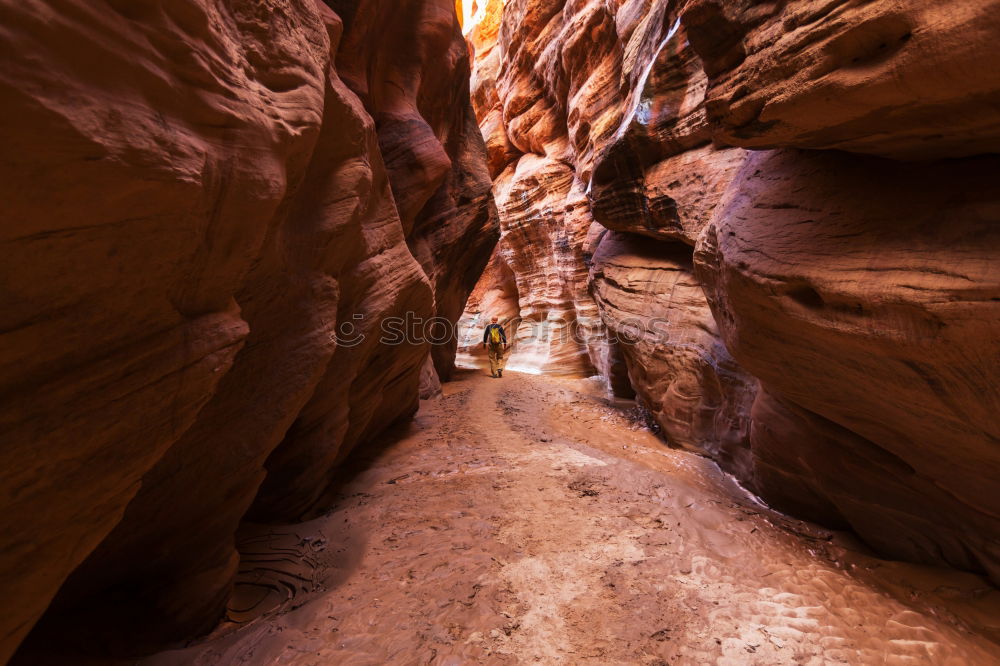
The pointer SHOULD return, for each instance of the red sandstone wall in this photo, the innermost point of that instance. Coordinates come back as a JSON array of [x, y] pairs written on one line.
[[199, 194], [857, 282]]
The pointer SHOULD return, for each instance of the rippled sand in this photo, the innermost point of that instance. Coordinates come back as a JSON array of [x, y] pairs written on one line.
[[529, 520]]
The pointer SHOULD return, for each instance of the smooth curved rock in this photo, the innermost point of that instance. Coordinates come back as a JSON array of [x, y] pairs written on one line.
[[908, 79], [482, 38], [542, 245], [313, 263], [659, 175], [409, 63], [134, 212], [607, 104], [222, 199], [868, 292], [672, 199], [656, 311], [861, 291], [840, 479]]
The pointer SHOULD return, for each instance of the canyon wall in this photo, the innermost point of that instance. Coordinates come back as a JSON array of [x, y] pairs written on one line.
[[543, 211], [793, 238], [595, 120], [213, 207]]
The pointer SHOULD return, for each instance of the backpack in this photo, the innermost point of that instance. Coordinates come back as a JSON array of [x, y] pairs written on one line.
[[495, 335]]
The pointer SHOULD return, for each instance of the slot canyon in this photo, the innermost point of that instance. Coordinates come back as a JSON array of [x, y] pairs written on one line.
[[745, 255]]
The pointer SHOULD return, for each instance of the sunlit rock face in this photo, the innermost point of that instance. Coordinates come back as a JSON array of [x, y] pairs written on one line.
[[658, 178], [856, 282], [197, 204], [542, 247], [495, 295], [541, 200], [482, 32], [603, 107], [659, 174]]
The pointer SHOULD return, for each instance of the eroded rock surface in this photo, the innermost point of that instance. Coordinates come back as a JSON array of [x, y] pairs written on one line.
[[214, 206], [907, 79], [543, 211], [860, 291], [868, 292], [133, 218], [606, 106], [410, 65], [198, 206], [654, 305]]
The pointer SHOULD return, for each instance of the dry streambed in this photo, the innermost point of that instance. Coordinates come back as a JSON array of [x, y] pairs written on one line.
[[528, 520]]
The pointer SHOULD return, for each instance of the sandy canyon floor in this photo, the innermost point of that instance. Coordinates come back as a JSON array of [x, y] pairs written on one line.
[[530, 520]]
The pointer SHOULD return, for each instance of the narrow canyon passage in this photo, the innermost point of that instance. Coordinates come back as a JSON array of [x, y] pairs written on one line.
[[531, 520], [247, 244]]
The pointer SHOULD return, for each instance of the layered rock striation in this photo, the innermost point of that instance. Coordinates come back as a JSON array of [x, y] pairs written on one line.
[[909, 80], [541, 201], [654, 305], [792, 238], [212, 214], [864, 292], [605, 127], [776, 223], [873, 316]]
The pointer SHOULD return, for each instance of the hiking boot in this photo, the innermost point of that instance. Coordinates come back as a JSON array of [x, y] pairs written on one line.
[[499, 373]]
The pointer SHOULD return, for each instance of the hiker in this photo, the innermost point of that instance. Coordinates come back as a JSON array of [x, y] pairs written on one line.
[[495, 340]]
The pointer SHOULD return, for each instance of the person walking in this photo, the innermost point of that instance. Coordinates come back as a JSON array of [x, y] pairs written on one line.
[[495, 341]]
